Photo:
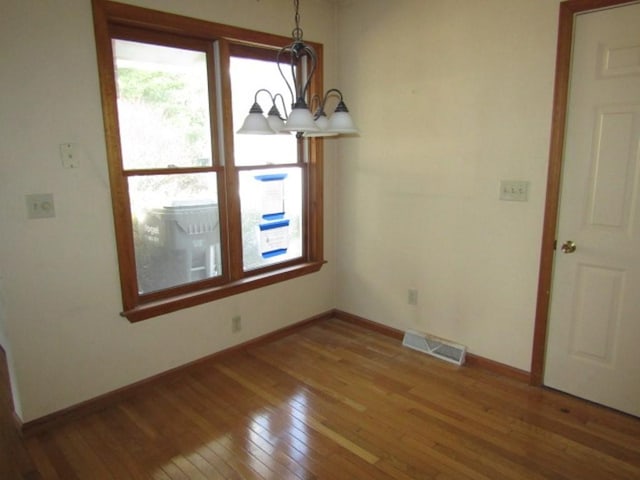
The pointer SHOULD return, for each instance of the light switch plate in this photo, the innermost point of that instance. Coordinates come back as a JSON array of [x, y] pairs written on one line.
[[514, 190], [69, 155]]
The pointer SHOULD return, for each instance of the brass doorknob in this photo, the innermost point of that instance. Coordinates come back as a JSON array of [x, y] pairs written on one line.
[[568, 247]]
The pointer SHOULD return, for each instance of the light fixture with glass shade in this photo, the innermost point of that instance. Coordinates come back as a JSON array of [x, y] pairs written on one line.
[[299, 119], [257, 124], [340, 122]]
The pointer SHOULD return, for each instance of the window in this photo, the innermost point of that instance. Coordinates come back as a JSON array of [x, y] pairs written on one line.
[[200, 213]]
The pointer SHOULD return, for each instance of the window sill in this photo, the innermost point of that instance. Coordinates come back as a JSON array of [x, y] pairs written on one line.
[[167, 305]]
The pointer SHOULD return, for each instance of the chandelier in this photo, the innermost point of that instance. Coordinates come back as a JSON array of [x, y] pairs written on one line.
[[302, 59]]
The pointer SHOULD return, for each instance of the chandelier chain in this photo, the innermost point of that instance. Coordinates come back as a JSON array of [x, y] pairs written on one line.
[[297, 32]]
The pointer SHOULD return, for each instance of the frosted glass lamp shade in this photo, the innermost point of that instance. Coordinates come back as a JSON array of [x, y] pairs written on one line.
[[255, 124], [275, 123], [300, 120], [275, 120], [341, 122], [322, 122]]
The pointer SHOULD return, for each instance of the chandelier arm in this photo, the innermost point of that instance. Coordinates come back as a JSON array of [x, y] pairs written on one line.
[[255, 98], [284, 105], [297, 50], [284, 77], [326, 97], [314, 64], [295, 74], [319, 105], [330, 91]]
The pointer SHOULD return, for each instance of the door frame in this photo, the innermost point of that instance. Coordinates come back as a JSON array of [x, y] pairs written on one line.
[[568, 11]]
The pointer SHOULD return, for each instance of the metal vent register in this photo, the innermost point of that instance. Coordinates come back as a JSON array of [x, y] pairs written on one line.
[[437, 347]]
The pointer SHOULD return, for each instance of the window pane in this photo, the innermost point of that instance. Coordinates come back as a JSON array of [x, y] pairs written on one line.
[[271, 206], [163, 106], [176, 230], [247, 77]]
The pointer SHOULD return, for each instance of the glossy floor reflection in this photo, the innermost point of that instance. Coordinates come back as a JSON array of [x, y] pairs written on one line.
[[336, 401]]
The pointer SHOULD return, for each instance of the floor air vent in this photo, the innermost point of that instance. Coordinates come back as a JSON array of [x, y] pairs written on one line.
[[437, 347]]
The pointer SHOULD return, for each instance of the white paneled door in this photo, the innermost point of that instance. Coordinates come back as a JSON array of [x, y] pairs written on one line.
[[593, 346]]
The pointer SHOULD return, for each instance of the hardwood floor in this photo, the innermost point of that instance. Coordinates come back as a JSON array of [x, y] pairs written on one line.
[[337, 401], [15, 463]]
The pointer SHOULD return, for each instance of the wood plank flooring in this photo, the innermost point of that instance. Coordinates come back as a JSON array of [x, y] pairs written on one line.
[[337, 401], [15, 462]]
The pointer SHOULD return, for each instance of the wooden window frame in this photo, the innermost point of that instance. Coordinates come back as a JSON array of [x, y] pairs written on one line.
[[112, 16]]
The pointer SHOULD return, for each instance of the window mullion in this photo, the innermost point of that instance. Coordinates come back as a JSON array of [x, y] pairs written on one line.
[[231, 196]]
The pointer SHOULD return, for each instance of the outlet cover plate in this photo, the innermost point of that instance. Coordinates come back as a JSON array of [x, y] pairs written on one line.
[[40, 205]]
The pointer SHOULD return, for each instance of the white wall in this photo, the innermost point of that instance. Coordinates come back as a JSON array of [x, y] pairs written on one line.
[[451, 97], [59, 276]]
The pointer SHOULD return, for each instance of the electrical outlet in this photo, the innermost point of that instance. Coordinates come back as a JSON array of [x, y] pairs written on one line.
[[40, 205], [412, 296], [236, 324]]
